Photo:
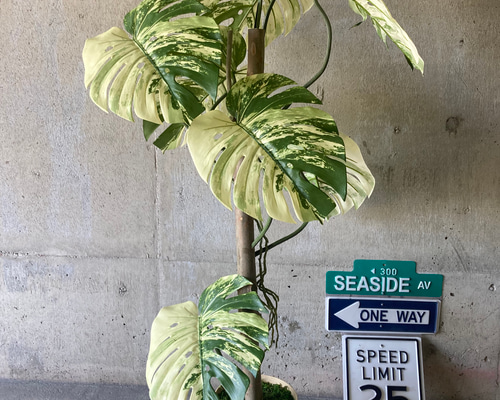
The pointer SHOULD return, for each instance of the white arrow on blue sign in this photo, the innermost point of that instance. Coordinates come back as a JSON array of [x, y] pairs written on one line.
[[381, 315]]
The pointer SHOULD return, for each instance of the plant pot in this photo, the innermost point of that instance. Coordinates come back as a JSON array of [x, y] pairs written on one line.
[[273, 381], [276, 381]]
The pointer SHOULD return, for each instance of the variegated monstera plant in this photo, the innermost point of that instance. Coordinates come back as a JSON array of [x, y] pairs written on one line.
[[178, 66]]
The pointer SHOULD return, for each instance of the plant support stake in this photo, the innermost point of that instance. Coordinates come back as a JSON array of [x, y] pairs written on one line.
[[245, 252]]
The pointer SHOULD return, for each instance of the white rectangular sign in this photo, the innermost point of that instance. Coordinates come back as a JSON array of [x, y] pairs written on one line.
[[382, 368]]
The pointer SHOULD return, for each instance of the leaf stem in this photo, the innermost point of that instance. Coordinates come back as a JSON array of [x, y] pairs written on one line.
[[258, 13], [329, 46], [282, 240], [262, 232], [268, 14], [218, 101]]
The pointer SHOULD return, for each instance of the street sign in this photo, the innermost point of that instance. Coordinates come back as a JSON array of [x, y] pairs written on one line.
[[361, 314], [386, 278], [382, 368]]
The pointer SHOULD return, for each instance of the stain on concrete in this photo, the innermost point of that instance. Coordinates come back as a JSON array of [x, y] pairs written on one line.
[[388, 174], [122, 289], [452, 125], [293, 326], [15, 278], [462, 255], [320, 92], [21, 275], [366, 147]]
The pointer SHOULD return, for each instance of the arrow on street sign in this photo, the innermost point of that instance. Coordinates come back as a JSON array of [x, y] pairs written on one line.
[[347, 314], [354, 315]]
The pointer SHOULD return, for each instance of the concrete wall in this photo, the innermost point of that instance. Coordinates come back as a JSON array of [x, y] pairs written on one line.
[[98, 230]]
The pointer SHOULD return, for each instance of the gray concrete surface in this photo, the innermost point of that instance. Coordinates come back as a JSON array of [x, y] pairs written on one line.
[[98, 230], [15, 390]]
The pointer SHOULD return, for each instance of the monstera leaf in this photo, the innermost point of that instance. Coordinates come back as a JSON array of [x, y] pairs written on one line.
[[387, 26], [188, 344], [152, 71], [241, 14], [265, 148]]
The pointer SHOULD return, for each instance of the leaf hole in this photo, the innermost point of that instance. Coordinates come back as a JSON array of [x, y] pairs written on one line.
[[109, 48], [181, 368], [140, 65], [174, 325]]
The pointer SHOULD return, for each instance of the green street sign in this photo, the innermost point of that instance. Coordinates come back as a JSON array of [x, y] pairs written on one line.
[[386, 278]]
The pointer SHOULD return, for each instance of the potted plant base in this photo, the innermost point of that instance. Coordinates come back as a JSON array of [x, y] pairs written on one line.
[[272, 389], [276, 381]]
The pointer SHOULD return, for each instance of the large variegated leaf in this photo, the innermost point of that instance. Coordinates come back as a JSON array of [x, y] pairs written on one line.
[[146, 72], [188, 344], [387, 26], [360, 181], [264, 148], [284, 16], [241, 14]]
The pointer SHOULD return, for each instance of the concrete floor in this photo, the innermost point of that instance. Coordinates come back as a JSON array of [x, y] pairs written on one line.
[[15, 390]]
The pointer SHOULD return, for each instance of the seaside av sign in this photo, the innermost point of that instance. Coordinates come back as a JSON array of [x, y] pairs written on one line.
[[386, 278]]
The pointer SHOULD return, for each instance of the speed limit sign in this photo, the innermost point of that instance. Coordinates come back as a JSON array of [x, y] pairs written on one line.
[[382, 368]]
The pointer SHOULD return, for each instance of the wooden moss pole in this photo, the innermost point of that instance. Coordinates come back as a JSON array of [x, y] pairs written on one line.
[[245, 253]]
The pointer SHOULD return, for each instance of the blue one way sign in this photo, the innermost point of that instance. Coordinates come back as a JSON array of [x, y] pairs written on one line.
[[381, 315]]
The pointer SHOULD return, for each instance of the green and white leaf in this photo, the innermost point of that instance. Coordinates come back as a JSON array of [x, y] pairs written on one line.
[[171, 137], [241, 14], [360, 181], [264, 151], [150, 72], [188, 343], [387, 26], [285, 14]]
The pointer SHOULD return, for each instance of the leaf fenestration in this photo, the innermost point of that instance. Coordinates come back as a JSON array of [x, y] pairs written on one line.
[[188, 343], [297, 151], [241, 14], [151, 72]]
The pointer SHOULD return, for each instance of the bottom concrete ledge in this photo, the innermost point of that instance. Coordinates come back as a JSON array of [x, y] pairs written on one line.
[[18, 390], [21, 390]]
